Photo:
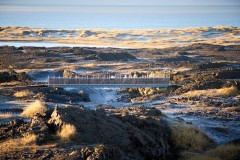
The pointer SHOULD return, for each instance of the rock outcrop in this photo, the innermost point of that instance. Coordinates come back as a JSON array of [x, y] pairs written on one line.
[[140, 132], [11, 75]]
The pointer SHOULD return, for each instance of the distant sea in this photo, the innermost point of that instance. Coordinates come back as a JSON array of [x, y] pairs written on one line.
[[119, 17]]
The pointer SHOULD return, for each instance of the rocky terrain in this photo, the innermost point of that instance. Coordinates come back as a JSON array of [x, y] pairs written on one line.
[[196, 117]]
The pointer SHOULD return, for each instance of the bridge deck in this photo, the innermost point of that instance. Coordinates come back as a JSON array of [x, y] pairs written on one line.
[[112, 82]]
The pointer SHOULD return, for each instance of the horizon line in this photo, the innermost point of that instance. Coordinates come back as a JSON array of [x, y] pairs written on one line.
[[108, 5]]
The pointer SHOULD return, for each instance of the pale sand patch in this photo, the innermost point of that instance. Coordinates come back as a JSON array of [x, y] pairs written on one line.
[[182, 69], [6, 115]]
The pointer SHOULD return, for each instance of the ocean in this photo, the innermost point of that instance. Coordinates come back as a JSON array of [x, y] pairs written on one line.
[[119, 17]]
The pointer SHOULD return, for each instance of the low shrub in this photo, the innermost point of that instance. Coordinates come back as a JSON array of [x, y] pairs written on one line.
[[34, 108], [223, 92], [24, 93], [189, 138], [67, 132], [18, 143]]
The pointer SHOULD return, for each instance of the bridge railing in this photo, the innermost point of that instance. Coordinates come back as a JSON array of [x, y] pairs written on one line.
[[61, 81]]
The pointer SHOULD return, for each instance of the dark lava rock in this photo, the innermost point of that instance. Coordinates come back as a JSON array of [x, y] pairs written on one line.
[[11, 129], [118, 56], [39, 127], [81, 51], [199, 86], [9, 50], [176, 59], [101, 152], [11, 75], [143, 134], [59, 95], [229, 74], [211, 65], [16, 122]]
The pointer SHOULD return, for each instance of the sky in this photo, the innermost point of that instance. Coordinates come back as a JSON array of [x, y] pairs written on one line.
[[119, 14], [121, 2]]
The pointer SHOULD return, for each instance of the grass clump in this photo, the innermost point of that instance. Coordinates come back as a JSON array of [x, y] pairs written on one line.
[[90, 65], [18, 143], [67, 132], [225, 152], [223, 92], [189, 138], [29, 139], [24, 93], [34, 108]]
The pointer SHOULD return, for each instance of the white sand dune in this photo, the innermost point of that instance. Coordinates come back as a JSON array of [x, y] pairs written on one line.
[[147, 38]]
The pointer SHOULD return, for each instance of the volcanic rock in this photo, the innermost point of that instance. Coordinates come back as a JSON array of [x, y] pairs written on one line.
[[139, 131]]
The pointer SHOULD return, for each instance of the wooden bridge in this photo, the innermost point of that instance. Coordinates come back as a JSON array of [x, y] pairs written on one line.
[[109, 82]]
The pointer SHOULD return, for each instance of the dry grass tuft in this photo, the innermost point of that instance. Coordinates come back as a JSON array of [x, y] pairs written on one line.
[[226, 152], [24, 93], [13, 83], [6, 115], [29, 139], [90, 65], [231, 91], [223, 92], [34, 108], [18, 144], [189, 138], [67, 132], [10, 145]]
